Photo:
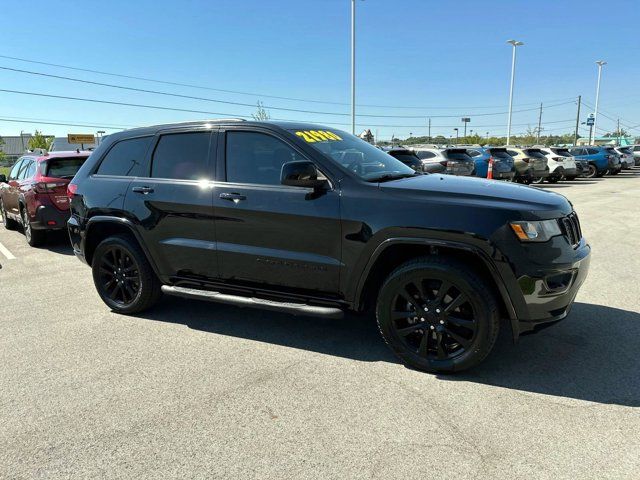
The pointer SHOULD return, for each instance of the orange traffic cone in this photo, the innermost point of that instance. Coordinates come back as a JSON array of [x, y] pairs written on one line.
[[490, 170]]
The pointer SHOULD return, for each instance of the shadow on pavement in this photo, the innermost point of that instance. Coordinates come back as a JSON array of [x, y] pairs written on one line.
[[592, 355]]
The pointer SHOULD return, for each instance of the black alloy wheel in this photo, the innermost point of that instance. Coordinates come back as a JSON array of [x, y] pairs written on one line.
[[123, 276], [119, 276], [437, 315]]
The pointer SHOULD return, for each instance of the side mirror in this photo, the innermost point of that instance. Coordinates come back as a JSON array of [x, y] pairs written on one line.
[[3, 178], [301, 174]]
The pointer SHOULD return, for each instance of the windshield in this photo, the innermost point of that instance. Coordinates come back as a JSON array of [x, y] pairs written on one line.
[[356, 155]]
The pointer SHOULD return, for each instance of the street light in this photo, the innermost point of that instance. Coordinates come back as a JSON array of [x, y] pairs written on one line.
[[353, 67], [600, 64], [515, 44]]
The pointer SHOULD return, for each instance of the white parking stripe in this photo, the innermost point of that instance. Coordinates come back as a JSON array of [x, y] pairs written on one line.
[[5, 251]]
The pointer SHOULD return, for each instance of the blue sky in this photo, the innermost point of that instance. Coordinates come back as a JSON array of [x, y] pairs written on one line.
[[440, 58]]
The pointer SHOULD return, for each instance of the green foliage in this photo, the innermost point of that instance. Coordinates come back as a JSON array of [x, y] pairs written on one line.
[[261, 114], [2, 154], [529, 138], [40, 141]]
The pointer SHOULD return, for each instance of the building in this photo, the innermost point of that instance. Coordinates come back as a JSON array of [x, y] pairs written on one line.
[[14, 147]]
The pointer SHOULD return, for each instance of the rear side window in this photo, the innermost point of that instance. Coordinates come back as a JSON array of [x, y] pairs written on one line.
[[473, 153], [513, 153], [182, 156], [257, 158], [534, 154], [592, 151], [126, 158], [63, 167]]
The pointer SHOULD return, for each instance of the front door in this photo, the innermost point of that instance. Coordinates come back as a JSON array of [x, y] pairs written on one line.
[[268, 233], [10, 193], [173, 206]]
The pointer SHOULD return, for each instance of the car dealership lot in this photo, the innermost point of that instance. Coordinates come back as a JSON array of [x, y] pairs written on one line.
[[200, 390]]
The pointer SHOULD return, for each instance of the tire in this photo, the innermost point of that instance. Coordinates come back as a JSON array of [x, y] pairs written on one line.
[[34, 238], [591, 172], [133, 286], [9, 223], [457, 334], [537, 180], [601, 174], [614, 172]]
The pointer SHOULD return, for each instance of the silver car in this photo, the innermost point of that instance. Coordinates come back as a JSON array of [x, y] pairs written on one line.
[[451, 161], [626, 157]]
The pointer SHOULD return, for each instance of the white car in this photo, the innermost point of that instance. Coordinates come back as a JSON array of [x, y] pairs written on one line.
[[562, 165], [626, 157]]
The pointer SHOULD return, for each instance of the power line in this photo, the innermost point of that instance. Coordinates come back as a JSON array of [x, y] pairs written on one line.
[[191, 97], [253, 94], [14, 120]]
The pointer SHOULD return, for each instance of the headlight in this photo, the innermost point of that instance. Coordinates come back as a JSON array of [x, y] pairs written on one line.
[[538, 231]]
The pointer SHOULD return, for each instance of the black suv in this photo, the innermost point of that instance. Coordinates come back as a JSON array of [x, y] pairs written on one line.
[[311, 220]]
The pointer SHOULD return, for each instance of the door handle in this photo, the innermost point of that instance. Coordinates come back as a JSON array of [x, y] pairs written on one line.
[[144, 190], [234, 197]]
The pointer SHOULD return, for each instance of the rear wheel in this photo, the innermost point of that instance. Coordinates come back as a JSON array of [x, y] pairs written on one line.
[[9, 224], [537, 180], [437, 315], [591, 172], [123, 276], [34, 237]]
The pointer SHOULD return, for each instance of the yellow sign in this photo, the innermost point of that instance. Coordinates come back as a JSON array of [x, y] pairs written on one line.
[[80, 138], [312, 136]]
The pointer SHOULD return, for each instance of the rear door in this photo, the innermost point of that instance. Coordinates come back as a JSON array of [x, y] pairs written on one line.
[[268, 233], [172, 203]]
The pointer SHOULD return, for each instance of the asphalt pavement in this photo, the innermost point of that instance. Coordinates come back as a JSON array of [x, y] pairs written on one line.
[[200, 390]]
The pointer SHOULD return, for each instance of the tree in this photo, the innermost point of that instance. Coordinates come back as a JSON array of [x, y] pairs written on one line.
[[40, 141], [261, 114], [2, 154]]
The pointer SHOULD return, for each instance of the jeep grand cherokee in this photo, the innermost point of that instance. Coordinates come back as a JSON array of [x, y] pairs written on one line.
[[311, 220]]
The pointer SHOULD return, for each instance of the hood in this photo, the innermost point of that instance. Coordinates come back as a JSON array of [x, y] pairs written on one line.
[[473, 191]]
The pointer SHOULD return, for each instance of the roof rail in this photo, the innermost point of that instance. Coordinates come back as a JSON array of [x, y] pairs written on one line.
[[39, 151]]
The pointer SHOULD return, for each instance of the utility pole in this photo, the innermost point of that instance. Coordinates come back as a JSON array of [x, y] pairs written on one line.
[[539, 124], [575, 139], [376, 140], [429, 136], [618, 133]]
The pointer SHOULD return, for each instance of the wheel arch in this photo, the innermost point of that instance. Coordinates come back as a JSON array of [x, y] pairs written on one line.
[[394, 251], [101, 227]]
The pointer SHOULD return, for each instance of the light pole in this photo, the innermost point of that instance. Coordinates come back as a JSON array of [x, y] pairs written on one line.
[[600, 63], [515, 44], [456, 130], [353, 67]]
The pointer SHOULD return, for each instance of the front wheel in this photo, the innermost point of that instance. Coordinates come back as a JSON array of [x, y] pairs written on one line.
[[123, 276], [437, 315]]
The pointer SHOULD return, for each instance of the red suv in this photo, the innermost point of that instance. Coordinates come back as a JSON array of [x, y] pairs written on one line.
[[35, 194]]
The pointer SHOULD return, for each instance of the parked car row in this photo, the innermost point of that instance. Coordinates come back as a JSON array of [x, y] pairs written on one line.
[[526, 165]]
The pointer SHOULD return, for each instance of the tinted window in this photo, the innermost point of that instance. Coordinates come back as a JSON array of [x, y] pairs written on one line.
[[459, 155], [425, 155], [513, 153], [563, 152], [63, 167], [534, 154], [577, 151], [405, 158], [636, 148], [257, 158], [500, 154], [183, 156], [126, 158], [473, 153], [13, 174], [592, 151]]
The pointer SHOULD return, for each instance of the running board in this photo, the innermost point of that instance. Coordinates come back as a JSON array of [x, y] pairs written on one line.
[[294, 308]]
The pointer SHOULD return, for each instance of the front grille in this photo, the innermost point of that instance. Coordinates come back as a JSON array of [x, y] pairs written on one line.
[[570, 226]]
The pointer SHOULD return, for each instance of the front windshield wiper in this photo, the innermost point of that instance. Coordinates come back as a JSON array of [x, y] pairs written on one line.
[[391, 176]]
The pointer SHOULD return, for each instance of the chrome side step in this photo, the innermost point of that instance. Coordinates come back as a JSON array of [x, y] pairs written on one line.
[[294, 308]]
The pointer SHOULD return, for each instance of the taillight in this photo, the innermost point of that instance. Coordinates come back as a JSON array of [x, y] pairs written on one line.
[[526, 159], [443, 163], [72, 188], [48, 187]]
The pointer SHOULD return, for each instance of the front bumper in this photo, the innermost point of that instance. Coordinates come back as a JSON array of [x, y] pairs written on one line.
[[48, 217]]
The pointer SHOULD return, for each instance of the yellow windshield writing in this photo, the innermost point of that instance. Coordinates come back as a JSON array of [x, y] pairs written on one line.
[[312, 136]]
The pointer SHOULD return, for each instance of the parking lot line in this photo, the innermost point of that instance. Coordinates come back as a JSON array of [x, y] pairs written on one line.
[[5, 251]]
